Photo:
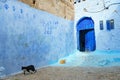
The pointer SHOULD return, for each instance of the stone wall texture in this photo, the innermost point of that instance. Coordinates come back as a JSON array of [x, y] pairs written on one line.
[[62, 8]]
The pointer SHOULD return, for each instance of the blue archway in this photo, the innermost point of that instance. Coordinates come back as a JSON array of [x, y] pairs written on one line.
[[86, 34]]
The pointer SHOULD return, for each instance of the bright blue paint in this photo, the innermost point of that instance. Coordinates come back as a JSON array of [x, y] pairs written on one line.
[[108, 25], [32, 37], [90, 41], [24, 40], [86, 23]]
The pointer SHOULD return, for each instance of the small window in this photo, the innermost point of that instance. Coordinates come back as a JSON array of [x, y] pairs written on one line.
[[110, 24], [101, 24]]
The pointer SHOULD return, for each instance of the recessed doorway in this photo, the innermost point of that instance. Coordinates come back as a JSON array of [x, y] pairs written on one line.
[[86, 35]]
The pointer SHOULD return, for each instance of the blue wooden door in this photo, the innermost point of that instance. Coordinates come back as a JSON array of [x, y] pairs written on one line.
[[86, 35], [90, 44]]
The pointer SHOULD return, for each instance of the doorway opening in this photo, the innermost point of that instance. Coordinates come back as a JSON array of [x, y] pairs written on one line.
[[86, 35]]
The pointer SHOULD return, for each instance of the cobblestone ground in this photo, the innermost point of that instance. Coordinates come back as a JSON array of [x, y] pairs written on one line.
[[71, 73]]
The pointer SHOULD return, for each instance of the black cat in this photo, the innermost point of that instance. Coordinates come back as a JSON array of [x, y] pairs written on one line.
[[29, 69]]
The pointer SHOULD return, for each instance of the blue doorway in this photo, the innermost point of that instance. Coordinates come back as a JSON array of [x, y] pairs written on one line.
[[86, 35]]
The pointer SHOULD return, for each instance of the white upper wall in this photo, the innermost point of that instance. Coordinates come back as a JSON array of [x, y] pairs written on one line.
[[95, 9]]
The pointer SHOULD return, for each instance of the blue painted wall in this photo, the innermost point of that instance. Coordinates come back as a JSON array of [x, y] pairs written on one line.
[[30, 36]]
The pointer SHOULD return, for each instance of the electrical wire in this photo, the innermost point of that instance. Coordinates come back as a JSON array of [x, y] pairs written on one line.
[[93, 11], [101, 9], [112, 4]]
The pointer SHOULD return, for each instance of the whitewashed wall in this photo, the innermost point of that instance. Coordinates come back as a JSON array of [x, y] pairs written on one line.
[[105, 40]]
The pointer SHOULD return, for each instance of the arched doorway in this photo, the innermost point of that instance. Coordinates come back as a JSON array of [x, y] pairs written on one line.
[[86, 34]]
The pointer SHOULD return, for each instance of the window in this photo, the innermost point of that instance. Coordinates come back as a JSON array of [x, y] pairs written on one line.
[[110, 24], [101, 24]]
